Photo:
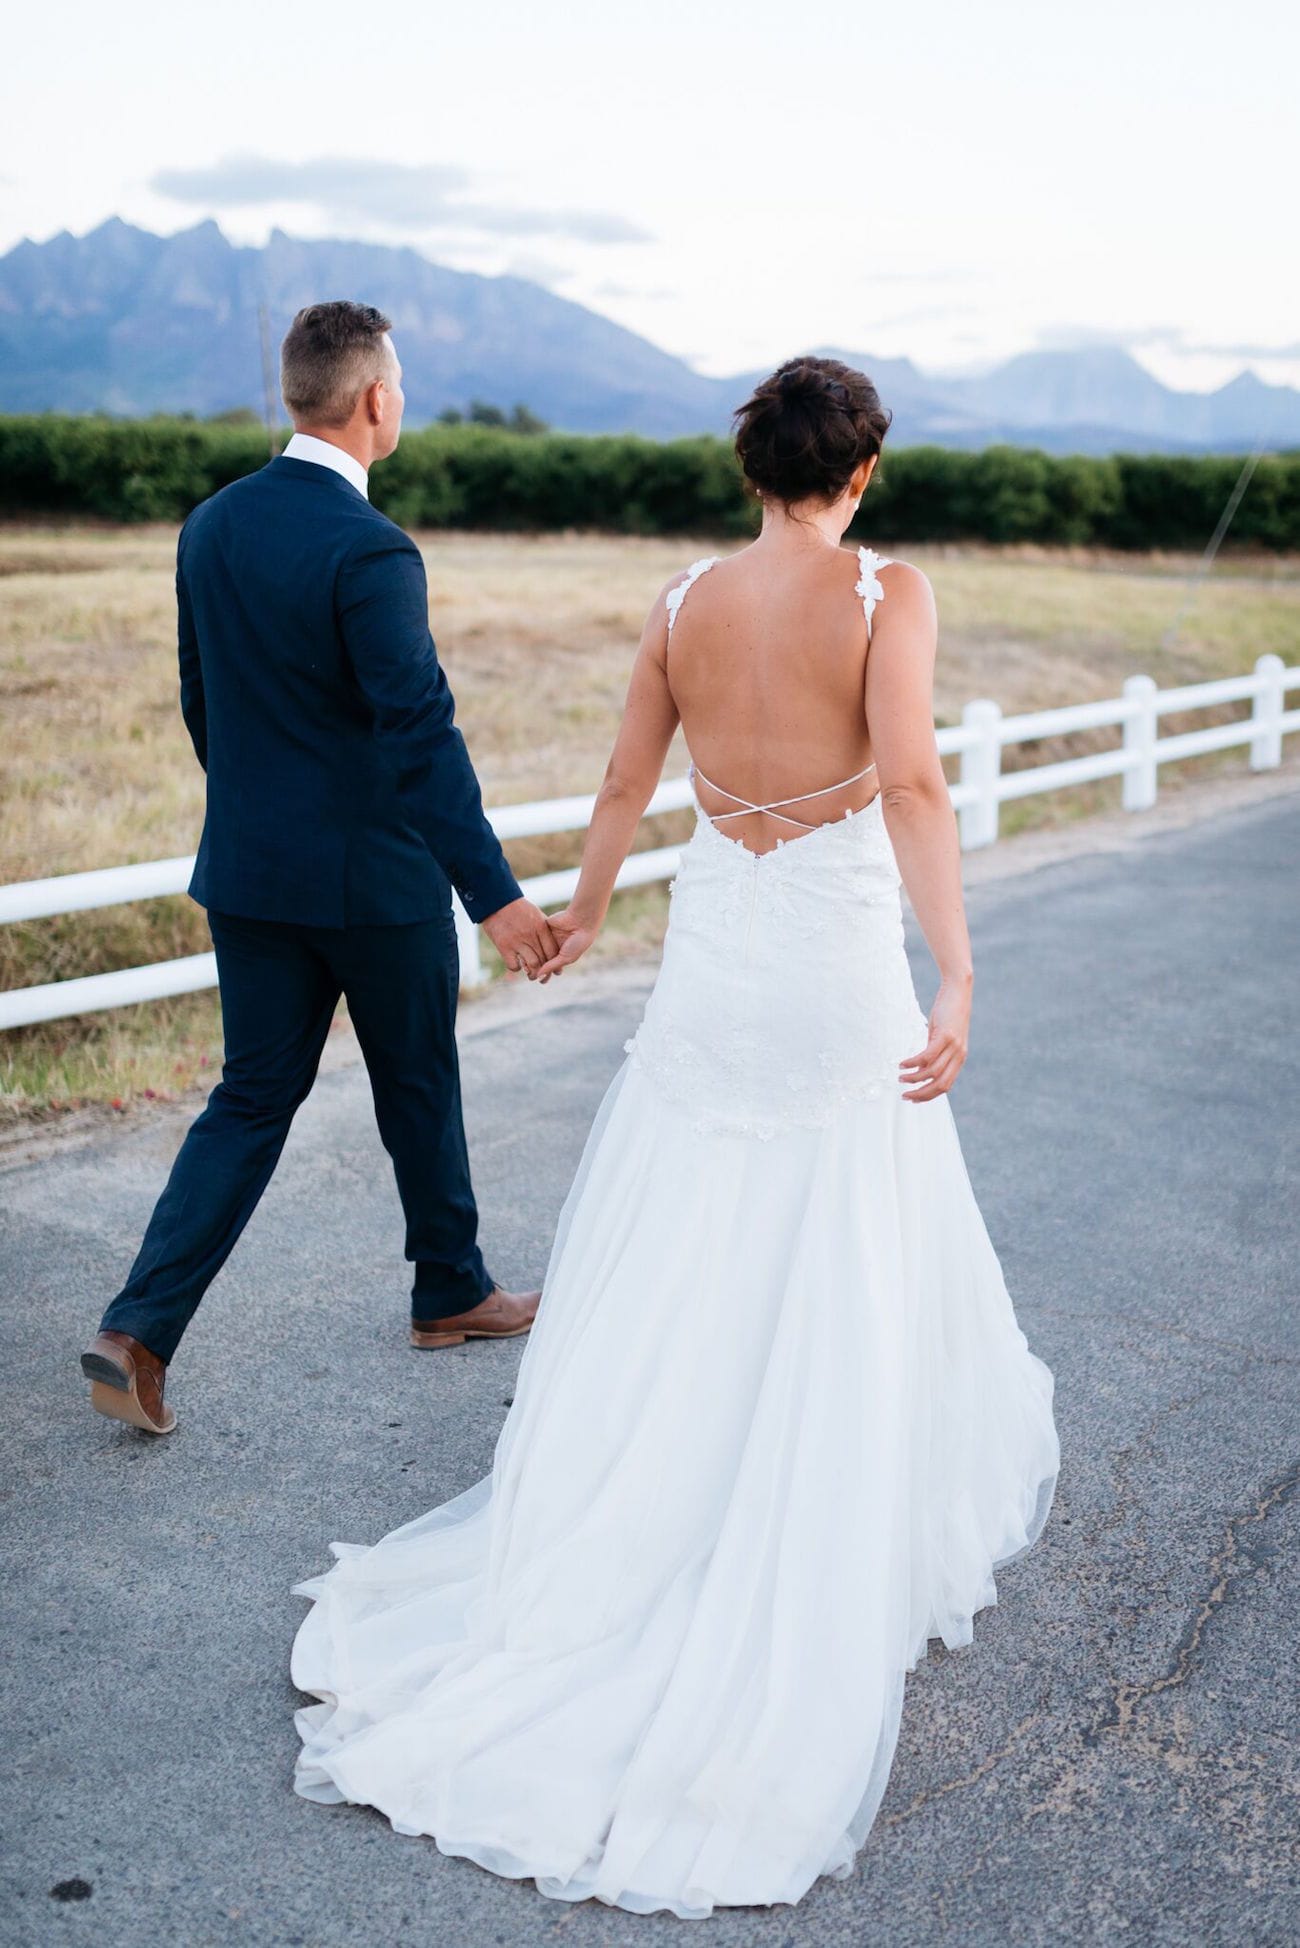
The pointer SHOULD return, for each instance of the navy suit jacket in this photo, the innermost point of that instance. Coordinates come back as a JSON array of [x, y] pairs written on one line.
[[340, 792]]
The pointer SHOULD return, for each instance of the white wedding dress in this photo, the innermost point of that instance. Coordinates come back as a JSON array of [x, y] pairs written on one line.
[[774, 1428]]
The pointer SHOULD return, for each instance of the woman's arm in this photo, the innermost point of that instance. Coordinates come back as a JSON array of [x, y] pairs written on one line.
[[631, 776], [919, 815]]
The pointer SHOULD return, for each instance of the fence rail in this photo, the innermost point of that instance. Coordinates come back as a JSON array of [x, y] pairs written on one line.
[[981, 789]]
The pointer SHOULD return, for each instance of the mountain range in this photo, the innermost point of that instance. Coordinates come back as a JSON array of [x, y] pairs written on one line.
[[125, 322]]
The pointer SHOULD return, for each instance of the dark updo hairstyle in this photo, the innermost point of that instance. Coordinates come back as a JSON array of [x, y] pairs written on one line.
[[805, 430]]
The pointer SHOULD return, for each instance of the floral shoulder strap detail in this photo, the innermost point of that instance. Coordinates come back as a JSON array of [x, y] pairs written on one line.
[[868, 584], [676, 596]]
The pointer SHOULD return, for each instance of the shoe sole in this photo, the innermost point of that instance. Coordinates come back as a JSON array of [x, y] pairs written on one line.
[[113, 1394], [431, 1341]]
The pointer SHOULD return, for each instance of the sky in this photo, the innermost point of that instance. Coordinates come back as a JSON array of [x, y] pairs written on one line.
[[944, 182]]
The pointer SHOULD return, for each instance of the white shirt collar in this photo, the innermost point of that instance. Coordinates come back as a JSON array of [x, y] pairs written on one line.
[[321, 453]]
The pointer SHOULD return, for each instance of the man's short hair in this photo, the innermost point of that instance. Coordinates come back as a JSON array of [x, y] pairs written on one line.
[[331, 353]]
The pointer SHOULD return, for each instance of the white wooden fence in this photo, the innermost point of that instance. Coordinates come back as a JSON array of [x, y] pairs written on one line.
[[980, 738]]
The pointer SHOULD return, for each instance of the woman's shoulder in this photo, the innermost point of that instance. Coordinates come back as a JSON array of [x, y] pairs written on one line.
[[683, 577], [898, 579], [883, 563], [673, 593], [903, 597]]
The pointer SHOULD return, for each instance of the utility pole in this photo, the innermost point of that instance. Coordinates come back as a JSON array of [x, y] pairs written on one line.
[[1215, 541]]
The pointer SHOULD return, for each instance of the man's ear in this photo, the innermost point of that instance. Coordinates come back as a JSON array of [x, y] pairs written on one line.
[[374, 396]]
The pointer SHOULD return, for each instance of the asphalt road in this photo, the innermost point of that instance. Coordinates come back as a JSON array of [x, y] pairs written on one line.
[[1114, 1759]]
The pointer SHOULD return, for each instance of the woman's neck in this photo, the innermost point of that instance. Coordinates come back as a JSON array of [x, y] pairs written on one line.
[[812, 528]]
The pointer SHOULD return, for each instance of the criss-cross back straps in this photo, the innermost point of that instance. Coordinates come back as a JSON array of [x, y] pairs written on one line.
[[745, 807], [870, 591]]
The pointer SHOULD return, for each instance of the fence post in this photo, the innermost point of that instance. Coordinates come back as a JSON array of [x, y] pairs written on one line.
[[1266, 713], [981, 767], [471, 961], [1141, 730]]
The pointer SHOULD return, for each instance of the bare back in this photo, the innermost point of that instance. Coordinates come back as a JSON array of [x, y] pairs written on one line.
[[766, 664]]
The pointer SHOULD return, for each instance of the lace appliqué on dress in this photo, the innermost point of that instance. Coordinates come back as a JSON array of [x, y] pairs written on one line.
[[676, 596], [785, 993], [868, 583], [672, 1065]]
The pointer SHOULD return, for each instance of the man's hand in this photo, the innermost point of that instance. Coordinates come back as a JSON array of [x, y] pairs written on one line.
[[573, 937], [522, 936]]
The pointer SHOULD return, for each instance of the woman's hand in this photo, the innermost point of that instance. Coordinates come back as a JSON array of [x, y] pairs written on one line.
[[573, 935], [933, 1072]]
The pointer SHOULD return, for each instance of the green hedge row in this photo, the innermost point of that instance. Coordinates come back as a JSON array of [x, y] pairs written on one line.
[[478, 477]]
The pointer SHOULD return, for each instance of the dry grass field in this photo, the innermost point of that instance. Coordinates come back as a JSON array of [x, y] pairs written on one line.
[[537, 635]]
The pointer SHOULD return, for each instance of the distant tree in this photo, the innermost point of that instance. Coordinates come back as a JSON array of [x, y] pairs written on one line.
[[157, 469], [235, 416], [523, 420], [481, 412]]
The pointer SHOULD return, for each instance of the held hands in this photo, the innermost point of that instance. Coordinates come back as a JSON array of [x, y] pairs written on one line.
[[522, 936], [933, 1072], [573, 936]]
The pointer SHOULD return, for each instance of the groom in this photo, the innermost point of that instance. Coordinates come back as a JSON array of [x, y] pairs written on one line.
[[341, 808]]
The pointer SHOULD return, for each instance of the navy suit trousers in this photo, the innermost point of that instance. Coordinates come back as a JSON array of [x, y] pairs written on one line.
[[280, 985]]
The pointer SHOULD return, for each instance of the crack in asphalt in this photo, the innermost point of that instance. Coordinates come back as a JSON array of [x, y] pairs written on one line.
[[986, 1765], [1236, 1557]]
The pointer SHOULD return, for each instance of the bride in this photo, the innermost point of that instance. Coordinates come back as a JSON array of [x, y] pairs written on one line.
[[776, 1424]]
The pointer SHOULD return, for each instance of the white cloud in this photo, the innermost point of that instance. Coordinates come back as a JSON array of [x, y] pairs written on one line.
[[421, 198], [539, 270], [1168, 338]]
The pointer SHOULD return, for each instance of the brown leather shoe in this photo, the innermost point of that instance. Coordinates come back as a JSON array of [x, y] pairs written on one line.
[[127, 1381], [502, 1315]]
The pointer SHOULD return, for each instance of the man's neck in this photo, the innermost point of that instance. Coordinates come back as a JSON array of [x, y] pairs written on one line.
[[354, 444], [332, 455]]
